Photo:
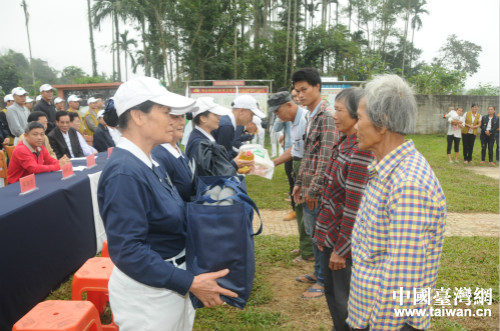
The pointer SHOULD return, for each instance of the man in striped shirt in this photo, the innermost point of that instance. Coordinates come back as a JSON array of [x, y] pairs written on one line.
[[398, 233]]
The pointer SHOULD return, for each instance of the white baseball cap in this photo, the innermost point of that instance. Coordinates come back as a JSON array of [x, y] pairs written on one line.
[[141, 89], [19, 91], [100, 114], [28, 99], [57, 100], [91, 100], [46, 87], [73, 97], [8, 97], [246, 101], [204, 104], [38, 98]]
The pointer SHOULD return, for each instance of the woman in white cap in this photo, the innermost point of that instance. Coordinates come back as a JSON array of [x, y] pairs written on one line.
[[144, 218], [206, 118], [173, 159]]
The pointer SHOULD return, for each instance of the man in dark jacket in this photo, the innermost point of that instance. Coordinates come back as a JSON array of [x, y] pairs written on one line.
[[63, 138], [102, 137], [45, 105]]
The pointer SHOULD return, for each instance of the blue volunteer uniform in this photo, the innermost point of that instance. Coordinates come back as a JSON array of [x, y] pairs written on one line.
[[144, 219], [176, 164]]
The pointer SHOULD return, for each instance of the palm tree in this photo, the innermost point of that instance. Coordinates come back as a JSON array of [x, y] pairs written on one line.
[[27, 17], [416, 22], [103, 9], [124, 44]]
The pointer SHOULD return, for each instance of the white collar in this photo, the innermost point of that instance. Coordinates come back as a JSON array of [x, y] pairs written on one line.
[[174, 151], [233, 119], [38, 149], [208, 135], [127, 145]]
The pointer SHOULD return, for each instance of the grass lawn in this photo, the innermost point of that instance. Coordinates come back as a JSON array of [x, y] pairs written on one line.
[[466, 261]]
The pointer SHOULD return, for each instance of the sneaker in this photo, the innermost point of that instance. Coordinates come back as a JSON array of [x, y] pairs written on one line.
[[482, 162], [466, 162], [290, 216], [456, 161], [450, 161], [492, 163]]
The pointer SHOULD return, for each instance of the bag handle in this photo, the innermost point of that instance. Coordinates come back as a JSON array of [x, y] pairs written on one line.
[[246, 199]]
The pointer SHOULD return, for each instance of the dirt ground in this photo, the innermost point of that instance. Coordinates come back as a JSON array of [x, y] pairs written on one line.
[[312, 314], [457, 224]]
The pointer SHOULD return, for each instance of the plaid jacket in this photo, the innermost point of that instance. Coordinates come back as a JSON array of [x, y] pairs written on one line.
[[396, 241], [344, 184], [317, 150]]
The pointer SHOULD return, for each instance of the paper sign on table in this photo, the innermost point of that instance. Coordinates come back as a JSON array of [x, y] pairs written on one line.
[[67, 171], [91, 161], [27, 184]]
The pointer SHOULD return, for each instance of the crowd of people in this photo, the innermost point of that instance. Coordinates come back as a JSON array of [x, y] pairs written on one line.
[[465, 126], [370, 211], [68, 133]]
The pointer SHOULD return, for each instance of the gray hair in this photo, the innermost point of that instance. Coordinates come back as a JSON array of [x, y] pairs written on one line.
[[390, 103], [33, 125], [351, 97]]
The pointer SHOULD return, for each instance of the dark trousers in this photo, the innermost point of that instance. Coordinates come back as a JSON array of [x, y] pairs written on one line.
[[468, 145], [337, 283], [291, 181], [487, 142], [405, 327], [452, 139], [496, 138]]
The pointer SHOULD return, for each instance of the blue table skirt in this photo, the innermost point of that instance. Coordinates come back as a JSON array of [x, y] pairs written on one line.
[[45, 236]]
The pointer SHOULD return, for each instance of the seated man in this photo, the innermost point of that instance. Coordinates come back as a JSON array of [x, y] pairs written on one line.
[[63, 138], [41, 117], [75, 123], [102, 136], [31, 157]]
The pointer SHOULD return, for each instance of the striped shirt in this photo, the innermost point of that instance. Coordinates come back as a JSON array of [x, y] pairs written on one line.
[[344, 184], [320, 138], [396, 241]]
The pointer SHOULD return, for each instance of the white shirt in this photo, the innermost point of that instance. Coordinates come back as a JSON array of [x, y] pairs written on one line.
[[115, 134], [488, 127], [68, 143], [86, 148]]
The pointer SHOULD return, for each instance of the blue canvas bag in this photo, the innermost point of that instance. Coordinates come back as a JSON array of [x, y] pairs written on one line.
[[220, 236]]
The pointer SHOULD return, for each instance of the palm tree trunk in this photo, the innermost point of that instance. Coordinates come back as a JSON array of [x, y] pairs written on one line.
[[147, 69], [117, 40], [405, 37], [287, 42], [294, 36], [27, 18], [92, 46], [113, 51]]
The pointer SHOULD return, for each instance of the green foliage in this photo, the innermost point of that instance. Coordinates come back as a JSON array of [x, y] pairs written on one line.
[[438, 80], [70, 74], [459, 55], [484, 89]]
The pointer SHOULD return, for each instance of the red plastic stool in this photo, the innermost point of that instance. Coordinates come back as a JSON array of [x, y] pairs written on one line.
[[104, 251], [60, 315], [93, 277]]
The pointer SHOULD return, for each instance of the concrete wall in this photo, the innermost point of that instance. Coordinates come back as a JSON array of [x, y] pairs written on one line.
[[432, 107]]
